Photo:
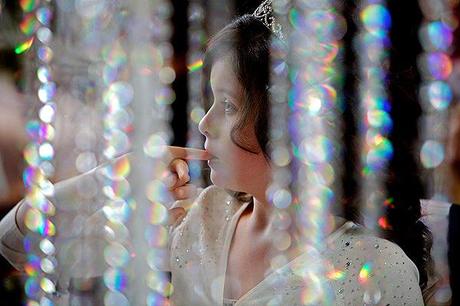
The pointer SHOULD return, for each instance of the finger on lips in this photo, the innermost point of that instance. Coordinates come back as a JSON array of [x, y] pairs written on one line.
[[189, 153], [179, 177]]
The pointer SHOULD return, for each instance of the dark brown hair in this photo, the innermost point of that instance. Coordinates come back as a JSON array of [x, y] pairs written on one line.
[[246, 41]]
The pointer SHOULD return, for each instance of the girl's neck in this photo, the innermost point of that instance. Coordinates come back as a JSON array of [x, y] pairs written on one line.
[[259, 215], [261, 218]]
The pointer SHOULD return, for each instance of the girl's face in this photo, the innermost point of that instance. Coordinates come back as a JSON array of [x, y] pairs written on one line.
[[232, 168]]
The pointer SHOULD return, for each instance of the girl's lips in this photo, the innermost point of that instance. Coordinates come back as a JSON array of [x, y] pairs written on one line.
[[213, 156], [212, 162]]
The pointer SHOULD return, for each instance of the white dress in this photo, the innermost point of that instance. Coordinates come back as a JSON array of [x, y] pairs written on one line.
[[200, 246], [360, 269]]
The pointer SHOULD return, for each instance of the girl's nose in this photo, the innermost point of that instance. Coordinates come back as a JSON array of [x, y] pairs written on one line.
[[207, 126]]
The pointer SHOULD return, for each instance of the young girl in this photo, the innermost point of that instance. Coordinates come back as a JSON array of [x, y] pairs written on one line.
[[221, 251], [221, 245]]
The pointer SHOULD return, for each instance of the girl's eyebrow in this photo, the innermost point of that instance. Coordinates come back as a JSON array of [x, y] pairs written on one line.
[[227, 92]]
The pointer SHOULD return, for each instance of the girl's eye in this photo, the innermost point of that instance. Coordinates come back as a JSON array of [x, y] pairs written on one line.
[[229, 107]]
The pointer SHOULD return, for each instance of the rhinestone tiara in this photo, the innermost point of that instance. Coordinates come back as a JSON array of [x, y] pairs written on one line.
[[264, 12]]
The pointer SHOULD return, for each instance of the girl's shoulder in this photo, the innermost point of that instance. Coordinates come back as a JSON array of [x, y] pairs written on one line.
[[369, 264], [362, 249], [211, 208], [210, 198]]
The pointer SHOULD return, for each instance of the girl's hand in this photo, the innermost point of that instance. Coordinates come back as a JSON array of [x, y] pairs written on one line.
[[178, 180], [178, 177]]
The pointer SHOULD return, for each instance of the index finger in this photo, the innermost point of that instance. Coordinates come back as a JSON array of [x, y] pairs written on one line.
[[189, 153]]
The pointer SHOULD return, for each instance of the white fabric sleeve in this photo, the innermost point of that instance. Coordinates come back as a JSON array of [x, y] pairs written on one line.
[[77, 218], [11, 240]]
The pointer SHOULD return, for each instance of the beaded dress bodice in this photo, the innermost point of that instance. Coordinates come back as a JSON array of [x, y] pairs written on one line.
[[353, 268]]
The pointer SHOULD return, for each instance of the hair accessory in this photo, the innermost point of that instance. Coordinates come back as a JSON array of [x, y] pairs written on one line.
[[264, 12]]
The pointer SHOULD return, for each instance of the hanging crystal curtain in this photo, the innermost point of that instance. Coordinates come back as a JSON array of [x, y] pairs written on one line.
[[39, 243], [280, 193], [111, 239], [152, 76], [436, 95], [127, 74], [375, 122], [304, 138]]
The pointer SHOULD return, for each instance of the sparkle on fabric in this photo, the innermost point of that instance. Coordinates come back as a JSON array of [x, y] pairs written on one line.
[[336, 275], [365, 272]]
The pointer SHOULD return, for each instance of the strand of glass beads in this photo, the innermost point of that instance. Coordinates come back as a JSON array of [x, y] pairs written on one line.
[[435, 66], [314, 109], [40, 285], [279, 193], [117, 100], [29, 24], [375, 125], [195, 109], [152, 80]]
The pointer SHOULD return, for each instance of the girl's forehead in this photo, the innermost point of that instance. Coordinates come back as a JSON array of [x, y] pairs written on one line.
[[223, 77]]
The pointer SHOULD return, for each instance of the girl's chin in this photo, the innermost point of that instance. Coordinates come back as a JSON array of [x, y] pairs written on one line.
[[215, 179], [218, 180]]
